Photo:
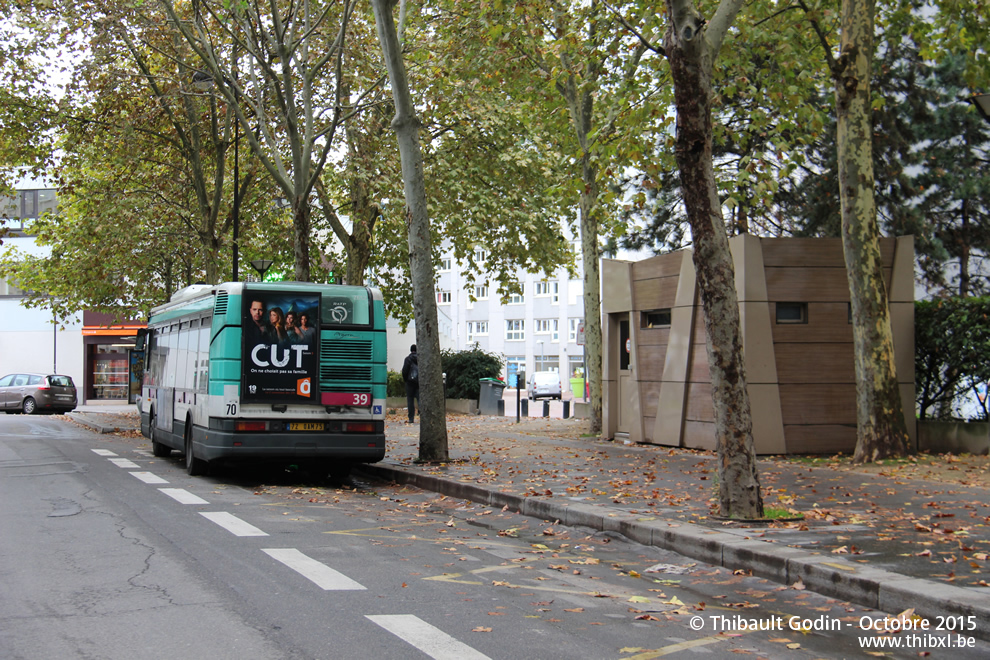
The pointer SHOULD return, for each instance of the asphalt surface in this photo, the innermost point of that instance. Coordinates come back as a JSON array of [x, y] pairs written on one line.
[[879, 540]]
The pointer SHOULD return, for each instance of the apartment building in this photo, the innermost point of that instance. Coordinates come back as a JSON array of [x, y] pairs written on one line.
[[536, 330]]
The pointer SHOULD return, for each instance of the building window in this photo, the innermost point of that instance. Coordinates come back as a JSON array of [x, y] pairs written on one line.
[[443, 297], [481, 292], [8, 289], [543, 326], [520, 364], [480, 257], [515, 330], [658, 318], [445, 264], [572, 328], [547, 290], [791, 312], [518, 298], [476, 329]]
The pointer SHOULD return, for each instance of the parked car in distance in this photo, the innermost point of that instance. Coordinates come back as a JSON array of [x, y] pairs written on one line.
[[544, 384], [33, 393]]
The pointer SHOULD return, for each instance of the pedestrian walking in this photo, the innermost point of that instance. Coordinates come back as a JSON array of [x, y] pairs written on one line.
[[410, 375]]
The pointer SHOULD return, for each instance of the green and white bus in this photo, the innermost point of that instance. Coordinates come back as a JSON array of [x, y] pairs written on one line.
[[284, 372]]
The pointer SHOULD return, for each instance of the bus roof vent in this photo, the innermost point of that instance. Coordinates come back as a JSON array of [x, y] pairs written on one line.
[[190, 292], [220, 306]]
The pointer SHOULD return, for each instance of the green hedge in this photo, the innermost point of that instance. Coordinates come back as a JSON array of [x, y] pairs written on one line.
[[465, 368], [951, 353], [395, 386]]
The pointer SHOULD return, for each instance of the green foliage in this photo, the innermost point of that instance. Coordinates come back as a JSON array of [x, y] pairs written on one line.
[[465, 368], [395, 386], [952, 341]]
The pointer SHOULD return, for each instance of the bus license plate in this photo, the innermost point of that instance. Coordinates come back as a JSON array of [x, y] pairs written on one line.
[[359, 399], [306, 426]]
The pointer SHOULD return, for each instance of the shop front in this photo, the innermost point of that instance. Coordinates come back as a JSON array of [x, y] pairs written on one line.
[[112, 366]]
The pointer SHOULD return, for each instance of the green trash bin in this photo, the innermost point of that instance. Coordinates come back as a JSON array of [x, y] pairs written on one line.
[[490, 396]]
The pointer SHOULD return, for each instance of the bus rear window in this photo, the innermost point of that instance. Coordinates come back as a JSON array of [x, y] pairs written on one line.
[[346, 307]]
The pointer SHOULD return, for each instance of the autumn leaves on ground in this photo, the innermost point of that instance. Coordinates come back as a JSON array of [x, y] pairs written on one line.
[[928, 515]]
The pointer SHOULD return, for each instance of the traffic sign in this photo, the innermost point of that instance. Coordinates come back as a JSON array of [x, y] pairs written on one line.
[[580, 334]]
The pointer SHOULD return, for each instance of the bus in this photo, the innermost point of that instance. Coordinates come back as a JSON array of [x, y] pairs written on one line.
[[277, 372]]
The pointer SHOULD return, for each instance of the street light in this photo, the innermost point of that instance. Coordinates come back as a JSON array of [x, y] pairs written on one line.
[[262, 266], [982, 103]]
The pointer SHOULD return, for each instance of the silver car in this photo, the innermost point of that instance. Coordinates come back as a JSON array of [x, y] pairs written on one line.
[[33, 393], [544, 384]]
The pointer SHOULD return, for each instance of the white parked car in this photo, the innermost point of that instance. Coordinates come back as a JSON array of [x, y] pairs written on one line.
[[544, 384]]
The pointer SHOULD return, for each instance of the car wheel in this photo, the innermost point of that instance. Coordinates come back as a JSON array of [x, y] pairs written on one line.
[[194, 466], [157, 448], [29, 406]]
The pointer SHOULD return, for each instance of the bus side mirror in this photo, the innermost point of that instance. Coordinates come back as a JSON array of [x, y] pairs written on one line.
[[139, 341]]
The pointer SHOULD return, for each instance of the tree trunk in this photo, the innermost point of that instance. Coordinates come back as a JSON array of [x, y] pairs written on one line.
[[433, 419], [690, 57], [880, 417], [300, 227], [591, 259]]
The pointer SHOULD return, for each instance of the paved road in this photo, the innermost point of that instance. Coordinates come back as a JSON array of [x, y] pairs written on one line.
[[108, 552]]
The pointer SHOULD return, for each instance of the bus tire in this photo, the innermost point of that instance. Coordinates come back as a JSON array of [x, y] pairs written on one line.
[[194, 466], [157, 448]]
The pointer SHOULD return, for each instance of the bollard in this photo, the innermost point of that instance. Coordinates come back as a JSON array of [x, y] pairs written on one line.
[[501, 407], [567, 409], [524, 407], [546, 408]]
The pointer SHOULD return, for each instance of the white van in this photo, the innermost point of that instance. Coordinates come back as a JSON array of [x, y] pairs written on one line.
[[544, 384]]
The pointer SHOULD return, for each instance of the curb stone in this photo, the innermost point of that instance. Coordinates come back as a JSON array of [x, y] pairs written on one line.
[[833, 577]]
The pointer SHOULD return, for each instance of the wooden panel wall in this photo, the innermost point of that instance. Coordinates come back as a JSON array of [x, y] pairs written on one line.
[[814, 360]]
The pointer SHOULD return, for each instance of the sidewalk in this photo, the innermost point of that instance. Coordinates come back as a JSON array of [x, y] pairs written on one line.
[[876, 538], [882, 541]]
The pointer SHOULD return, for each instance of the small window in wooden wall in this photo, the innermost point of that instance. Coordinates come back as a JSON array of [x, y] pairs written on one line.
[[657, 318], [791, 312]]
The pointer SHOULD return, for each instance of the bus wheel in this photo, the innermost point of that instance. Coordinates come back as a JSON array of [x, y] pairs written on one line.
[[157, 448], [194, 466]]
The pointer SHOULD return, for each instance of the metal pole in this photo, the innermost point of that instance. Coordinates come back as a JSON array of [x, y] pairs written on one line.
[[237, 197], [54, 341]]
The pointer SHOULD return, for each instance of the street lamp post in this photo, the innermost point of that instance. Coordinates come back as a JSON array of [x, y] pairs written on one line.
[[262, 266]]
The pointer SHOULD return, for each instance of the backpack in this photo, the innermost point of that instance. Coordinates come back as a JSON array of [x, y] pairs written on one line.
[[413, 372]]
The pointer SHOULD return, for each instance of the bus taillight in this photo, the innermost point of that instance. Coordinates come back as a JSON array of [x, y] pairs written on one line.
[[360, 427], [250, 426]]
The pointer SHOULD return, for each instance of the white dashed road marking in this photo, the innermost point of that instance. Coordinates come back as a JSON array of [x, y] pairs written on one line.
[[103, 452], [183, 496], [124, 463], [232, 523], [149, 478], [431, 641], [325, 577]]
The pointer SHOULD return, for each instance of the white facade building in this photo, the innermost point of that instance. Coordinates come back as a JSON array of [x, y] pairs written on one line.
[[29, 341], [535, 331]]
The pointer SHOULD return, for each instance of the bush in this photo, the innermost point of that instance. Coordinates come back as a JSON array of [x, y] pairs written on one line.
[[465, 368], [952, 341], [395, 385]]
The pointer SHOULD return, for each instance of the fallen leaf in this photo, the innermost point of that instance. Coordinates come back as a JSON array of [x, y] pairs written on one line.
[[481, 629]]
